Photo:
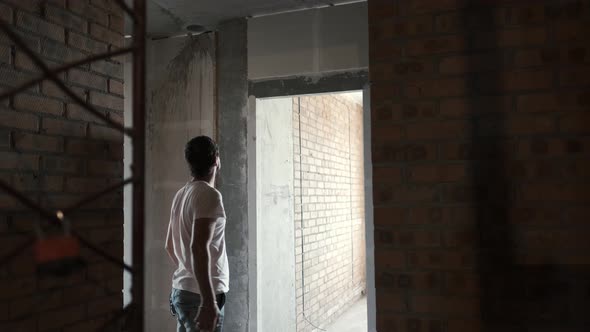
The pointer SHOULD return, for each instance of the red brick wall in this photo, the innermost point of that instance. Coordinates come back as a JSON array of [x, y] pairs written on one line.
[[481, 152], [329, 207], [56, 153]]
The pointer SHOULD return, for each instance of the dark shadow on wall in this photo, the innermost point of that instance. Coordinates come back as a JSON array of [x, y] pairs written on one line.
[[517, 293]]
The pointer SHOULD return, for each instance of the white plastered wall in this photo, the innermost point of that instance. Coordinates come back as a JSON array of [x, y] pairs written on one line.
[[308, 42], [180, 105], [275, 230]]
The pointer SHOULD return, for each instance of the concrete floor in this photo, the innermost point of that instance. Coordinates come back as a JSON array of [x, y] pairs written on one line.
[[353, 320]]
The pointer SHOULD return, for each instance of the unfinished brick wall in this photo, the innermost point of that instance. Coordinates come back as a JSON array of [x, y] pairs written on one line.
[[481, 152], [55, 153], [329, 207]]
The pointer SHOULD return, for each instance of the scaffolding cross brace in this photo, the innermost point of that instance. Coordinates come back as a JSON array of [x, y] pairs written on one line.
[[137, 14]]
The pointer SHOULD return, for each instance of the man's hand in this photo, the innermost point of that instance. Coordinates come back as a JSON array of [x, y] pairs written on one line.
[[207, 317]]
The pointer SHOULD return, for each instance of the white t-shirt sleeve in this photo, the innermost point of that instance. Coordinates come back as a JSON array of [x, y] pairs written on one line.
[[210, 205]]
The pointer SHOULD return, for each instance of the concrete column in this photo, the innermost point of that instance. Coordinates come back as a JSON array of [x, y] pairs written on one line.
[[275, 229], [232, 108]]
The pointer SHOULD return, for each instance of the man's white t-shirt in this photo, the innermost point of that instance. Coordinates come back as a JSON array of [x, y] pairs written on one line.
[[196, 200]]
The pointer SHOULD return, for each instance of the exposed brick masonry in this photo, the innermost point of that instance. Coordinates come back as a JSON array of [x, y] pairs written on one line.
[[55, 152], [329, 207], [481, 152]]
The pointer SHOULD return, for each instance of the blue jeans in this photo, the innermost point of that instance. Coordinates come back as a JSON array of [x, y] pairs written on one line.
[[185, 306]]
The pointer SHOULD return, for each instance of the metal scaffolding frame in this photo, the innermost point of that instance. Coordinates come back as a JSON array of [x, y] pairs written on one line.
[[135, 310]]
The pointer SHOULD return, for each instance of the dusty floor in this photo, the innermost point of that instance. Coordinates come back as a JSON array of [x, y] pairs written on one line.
[[353, 320]]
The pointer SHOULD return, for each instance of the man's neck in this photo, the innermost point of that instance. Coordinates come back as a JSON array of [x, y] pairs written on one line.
[[210, 179]]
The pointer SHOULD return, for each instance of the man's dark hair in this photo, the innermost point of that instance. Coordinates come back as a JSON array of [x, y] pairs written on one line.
[[201, 153]]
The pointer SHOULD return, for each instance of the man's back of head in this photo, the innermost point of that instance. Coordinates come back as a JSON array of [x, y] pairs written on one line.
[[201, 154]]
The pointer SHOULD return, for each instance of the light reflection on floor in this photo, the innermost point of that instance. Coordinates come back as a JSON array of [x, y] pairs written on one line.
[[353, 320]]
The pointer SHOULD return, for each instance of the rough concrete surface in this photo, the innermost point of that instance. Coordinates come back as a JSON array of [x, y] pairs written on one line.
[[232, 103], [302, 85]]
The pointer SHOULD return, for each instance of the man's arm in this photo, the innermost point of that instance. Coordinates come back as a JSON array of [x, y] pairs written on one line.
[[202, 235], [169, 246]]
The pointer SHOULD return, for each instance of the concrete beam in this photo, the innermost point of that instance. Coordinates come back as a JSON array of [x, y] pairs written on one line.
[[301, 85]]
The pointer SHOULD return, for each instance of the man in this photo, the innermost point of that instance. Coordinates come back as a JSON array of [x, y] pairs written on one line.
[[196, 243]]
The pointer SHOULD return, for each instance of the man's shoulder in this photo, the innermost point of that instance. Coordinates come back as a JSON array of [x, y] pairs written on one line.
[[213, 194], [215, 191], [204, 191], [179, 192], [208, 201]]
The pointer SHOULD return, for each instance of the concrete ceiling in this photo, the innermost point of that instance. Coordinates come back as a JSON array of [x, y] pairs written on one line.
[[170, 17]]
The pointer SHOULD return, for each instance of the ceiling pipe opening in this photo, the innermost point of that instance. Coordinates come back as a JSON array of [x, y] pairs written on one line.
[[195, 28]]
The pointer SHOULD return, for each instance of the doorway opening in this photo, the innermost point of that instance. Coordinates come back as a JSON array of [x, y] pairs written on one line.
[[309, 213]]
